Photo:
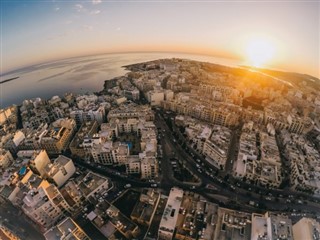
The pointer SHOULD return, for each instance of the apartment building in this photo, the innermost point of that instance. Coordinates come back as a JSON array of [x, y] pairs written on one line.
[[56, 138], [86, 131], [6, 158], [170, 215], [66, 229], [271, 226], [306, 229], [60, 170]]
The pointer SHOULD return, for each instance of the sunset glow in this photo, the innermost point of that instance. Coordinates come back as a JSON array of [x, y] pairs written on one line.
[[259, 52], [40, 31]]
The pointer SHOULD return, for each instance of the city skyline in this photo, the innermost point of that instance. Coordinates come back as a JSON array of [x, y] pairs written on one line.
[[41, 31]]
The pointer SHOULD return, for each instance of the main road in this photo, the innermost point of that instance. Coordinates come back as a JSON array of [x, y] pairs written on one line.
[[220, 191]]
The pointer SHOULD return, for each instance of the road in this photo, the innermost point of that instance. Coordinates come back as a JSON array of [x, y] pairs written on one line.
[[234, 196], [239, 195]]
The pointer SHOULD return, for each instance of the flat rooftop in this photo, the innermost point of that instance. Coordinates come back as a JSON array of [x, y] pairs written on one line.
[[90, 183], [171, 211]]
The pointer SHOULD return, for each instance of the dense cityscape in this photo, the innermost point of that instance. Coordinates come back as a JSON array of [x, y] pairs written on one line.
[[174, 149]]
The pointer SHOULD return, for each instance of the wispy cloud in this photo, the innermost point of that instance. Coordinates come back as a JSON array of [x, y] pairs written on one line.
[[87, 27], [96, 1], [95, 12], [79, 8], [57, 9]]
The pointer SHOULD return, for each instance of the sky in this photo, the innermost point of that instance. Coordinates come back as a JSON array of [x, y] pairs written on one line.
[[39, 31]]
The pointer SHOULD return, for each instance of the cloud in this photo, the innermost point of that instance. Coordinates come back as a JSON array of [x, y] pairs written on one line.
[[79, 8], [68, 22], [87, 27], [57, 9], [96, 1], [95, 12]]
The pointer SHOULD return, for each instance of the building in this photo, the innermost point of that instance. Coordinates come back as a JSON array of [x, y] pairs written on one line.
[[131, 110], [304, 162], [271, 226], [258, 159], [39, 161], [66, 229], [133, 165], [86, 131], [44, 206], [110, 153], [306, 229], [55, 140], [155, 97], [233, 225], [145, 208], [296, 125], [6, 158], [170, 216], [216, 147], [60, 170], [93, 183], [149, 167], [72, 194]]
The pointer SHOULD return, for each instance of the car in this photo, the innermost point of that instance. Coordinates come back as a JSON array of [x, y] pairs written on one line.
[[127, 185], [154, 185]]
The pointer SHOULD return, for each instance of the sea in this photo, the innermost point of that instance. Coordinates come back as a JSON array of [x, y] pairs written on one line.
[[79, 74]]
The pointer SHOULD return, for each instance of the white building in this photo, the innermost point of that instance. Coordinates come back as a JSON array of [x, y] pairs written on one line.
[[92, 114], [60, 170], [170, 215], [44, 206], [271, 227]]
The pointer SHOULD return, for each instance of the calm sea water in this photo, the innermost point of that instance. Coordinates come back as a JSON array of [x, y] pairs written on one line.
[[79, 75]]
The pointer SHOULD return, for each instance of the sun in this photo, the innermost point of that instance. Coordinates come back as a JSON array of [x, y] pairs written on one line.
[[259, 51]]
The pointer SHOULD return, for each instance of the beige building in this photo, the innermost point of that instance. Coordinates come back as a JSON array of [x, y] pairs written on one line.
[[39, 161], [133, 165], [55, 140], [306, 229], [149, 167], [110, 153], [6, 158], [93, 183], [86, 131]]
